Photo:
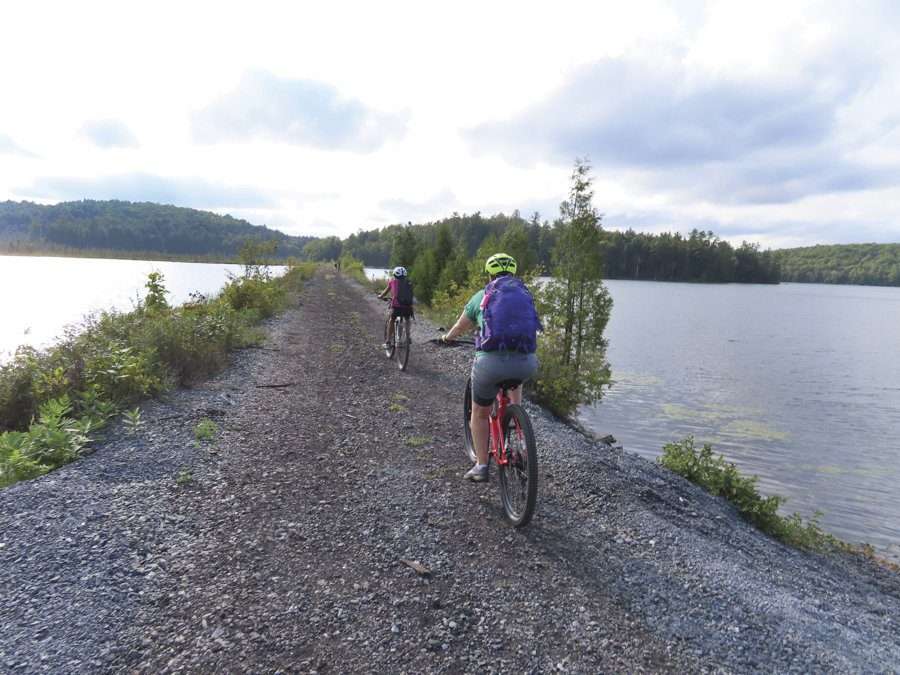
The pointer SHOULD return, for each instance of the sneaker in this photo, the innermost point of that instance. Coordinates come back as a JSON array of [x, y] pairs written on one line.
[[477, 474]]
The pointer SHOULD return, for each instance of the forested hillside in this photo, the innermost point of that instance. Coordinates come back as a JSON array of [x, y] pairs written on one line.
[[699, 256], [869, 264], [132, 227]]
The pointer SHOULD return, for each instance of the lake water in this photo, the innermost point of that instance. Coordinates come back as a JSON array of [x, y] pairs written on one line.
[[796, 383], [40, 296]]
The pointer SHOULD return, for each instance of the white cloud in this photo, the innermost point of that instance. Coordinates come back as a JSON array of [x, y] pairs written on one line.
[[351, 114], [9, 147], [109, 134]]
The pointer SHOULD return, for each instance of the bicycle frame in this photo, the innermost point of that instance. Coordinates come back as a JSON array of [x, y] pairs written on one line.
[[497, 445]]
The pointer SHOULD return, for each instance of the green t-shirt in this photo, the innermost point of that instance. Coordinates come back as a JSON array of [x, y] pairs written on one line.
[[475, 315]]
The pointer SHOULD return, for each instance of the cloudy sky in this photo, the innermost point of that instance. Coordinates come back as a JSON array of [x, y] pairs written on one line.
[[774, 122]]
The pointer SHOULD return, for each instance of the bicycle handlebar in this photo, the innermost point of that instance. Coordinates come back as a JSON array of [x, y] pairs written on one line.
[[452, 343]]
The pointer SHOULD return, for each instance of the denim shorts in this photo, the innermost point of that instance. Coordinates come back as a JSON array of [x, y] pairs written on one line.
[[489, 370]]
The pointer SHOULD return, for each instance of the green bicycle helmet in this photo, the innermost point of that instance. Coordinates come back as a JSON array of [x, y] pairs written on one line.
[[499, 263]]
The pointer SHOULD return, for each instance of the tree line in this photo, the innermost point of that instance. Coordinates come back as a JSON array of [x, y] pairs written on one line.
[[699, 256], [134, 227], [866, 264]]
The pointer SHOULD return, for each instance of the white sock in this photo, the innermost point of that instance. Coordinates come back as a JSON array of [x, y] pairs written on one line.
[[479, 466]]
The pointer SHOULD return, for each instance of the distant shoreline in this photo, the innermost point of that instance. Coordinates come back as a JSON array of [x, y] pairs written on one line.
[[103, 254]]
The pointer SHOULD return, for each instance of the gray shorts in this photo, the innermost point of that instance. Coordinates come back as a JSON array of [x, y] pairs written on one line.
[[493, 368]]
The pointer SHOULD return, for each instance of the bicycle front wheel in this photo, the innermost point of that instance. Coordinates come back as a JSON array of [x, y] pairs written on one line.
[[519, 476], [401, 326], [388, 338]]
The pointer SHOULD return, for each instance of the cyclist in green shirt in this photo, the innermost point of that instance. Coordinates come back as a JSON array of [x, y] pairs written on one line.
[[505, 349]]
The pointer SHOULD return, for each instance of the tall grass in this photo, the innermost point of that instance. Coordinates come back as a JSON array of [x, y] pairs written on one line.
[[53, 400]]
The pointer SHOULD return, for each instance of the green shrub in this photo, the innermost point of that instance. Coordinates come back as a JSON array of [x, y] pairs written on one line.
[[354, 268], [559, 385], [55, 439], [18, 401], [122, 372], [254, 294], [205, 430], [156, 293], [52, 400], [132, 421], [723, 479]]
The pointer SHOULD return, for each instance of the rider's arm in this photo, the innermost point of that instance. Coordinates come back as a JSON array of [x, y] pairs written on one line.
[[463, 325], [384, 292]]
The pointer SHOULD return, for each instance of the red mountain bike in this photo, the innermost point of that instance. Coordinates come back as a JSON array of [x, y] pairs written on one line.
[[513, 449]]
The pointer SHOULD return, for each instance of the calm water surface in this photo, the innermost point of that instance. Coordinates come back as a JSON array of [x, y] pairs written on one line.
[[797, 383], [40, 296]]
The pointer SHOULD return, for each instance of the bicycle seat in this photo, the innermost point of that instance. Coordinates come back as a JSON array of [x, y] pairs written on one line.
[[506, 385]]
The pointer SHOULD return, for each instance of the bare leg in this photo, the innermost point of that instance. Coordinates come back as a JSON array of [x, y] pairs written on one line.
[[515, 395], [481, 430]]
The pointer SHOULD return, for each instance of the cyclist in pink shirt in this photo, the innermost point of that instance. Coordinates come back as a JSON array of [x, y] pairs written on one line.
[[401, 296]]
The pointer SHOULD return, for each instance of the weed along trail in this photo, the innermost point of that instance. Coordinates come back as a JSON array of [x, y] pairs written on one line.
[[304, 511]]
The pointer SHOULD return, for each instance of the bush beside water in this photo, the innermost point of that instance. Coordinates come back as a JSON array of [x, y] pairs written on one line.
[[52, 401], [722, 479]]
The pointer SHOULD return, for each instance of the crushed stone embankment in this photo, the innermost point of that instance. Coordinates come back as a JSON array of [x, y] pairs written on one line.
[[278, 546]]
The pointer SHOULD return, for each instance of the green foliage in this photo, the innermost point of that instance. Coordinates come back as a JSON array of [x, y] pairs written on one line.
[[112, 226], [424, 275], [558, 385], [51, 441], [575, 307], [132, 421], [256, 256], [156, 293], [91, 403], [404, 248], [205, 430], [869, 264], [353, 268], [183, 477], [722, 479], [320, 250], [698, 256], [254, 294], [52, 400], [116, 370]]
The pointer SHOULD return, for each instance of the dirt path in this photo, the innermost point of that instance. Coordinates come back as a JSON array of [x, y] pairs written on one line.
[[283, 550], [324, 488]]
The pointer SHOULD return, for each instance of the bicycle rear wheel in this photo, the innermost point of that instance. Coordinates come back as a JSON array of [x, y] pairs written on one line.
[[401, 330], [467, 416], [519, 477]]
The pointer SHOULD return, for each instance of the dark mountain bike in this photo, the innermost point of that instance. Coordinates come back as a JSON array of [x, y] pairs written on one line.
[[397, 342]]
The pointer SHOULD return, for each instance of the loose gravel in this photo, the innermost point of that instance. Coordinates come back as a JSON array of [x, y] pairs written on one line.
[[326, 528]]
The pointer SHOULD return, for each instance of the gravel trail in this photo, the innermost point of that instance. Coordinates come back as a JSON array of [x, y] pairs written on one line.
[[279, 545]]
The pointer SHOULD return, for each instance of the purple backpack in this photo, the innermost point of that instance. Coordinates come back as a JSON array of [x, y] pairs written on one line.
[[510, 320]]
